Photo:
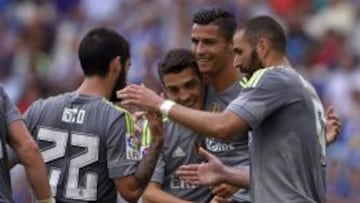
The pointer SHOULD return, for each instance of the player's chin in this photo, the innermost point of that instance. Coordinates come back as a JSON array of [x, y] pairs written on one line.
[[205, 68], [244, 70], [196, 105]]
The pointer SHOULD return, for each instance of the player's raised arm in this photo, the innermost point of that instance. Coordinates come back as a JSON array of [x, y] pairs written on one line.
[[132, 187]]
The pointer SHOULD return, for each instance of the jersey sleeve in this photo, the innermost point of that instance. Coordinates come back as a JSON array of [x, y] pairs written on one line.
[[123, 151], [31, 115], [264, 94], [11, 112]]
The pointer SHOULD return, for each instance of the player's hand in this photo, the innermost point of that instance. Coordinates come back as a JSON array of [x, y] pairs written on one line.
[[141, 97], [156, 128], [224, 190], [333, 126], [209, 173]]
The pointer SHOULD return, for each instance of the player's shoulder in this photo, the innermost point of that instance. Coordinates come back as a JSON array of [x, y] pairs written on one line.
[[52, 101], [277, 75], [113, 108], [95, 102]]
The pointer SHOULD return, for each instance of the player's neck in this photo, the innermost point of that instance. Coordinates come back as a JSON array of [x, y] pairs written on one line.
[[276, 60], [94, 86], [224, 79]]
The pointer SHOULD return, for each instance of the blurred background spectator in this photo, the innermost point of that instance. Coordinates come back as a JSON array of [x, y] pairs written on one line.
[[39, 39]]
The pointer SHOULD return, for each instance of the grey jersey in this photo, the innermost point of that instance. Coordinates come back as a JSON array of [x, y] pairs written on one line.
[[287, 139], [179, 149], [86, 142], [8, 114], [233, 153]]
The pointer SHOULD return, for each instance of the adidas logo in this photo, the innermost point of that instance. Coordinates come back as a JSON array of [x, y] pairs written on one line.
[[178, 153]]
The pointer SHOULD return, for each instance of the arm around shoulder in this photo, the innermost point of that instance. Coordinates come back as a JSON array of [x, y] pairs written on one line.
[[222, 125]]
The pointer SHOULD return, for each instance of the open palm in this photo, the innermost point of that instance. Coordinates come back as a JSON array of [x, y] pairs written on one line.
[[209, 173]]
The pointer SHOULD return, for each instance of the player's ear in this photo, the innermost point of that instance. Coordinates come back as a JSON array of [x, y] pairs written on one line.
[[263, 47], [115, 65]]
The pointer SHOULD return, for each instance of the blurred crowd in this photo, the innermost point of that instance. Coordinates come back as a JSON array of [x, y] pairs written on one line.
[[39, 38]]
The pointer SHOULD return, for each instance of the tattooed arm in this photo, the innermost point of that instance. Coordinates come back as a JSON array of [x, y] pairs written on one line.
[[147, 165], [132, 187]]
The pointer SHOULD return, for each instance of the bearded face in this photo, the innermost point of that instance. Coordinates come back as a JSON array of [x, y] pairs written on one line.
[[254, 63], [246, 58], [120, 83]]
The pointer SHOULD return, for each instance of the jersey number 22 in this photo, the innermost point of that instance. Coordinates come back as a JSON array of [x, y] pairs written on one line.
[[60, 139]]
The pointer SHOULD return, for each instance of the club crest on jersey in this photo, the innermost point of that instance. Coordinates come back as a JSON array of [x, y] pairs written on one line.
[[132, 147]]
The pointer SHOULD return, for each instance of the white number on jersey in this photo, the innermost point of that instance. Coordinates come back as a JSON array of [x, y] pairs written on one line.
[[320, 128], [319, 118], [73, 190], [73, 116]]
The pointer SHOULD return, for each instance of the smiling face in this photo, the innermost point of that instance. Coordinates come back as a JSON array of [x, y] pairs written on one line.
[[185, 88], [246, 58], [211, 50]]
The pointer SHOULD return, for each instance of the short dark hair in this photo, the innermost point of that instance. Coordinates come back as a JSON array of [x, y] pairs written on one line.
[[175, 61], [216, 16], [98, 48], [264, 26]]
